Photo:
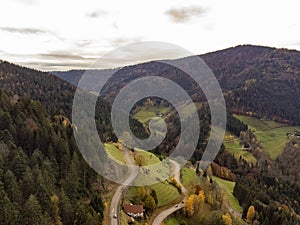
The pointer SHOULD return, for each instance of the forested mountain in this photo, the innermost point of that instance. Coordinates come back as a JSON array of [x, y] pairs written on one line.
[[55, 94], [260, 81], [256, 80], [43, 178]]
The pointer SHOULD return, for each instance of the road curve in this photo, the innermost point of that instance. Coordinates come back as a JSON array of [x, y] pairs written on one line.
[[163, 215], [115, 202]]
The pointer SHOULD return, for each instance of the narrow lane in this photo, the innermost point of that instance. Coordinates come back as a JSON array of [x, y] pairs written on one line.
[[115, 202], [163, 215]]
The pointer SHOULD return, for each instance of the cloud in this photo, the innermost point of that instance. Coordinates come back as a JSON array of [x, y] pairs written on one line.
[[23, 30], [182, 15], [54, 66], [61, 55], [123, 41], [82, 43], [96, 14], [29, 2]]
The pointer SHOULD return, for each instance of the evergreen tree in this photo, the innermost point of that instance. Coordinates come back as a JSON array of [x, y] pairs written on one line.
[[97, 204], [8, 214], [66, 208], [12, 187], [32, 212]]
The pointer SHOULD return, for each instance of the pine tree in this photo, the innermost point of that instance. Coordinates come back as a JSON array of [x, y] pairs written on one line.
[[12, 187], [27, 183], [66, 208], [7, 211], [97, 204], [32, 212]]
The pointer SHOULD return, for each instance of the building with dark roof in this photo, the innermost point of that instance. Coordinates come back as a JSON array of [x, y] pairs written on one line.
[[134, 210]]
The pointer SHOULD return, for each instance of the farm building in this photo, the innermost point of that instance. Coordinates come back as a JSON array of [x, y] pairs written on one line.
[[134, 210]]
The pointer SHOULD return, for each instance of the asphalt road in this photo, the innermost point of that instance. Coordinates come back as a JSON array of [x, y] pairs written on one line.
[[163, 215], [115, 202]]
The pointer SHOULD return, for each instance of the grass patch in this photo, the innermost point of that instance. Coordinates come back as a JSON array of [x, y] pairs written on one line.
[[275, 140], [158, 172], [235, 148], [114, 153], [172, 221], [123, 218], [147, 158], [166, 193], [259, 124], [270, 133], [227, 187], [189, 177], [147, 113]]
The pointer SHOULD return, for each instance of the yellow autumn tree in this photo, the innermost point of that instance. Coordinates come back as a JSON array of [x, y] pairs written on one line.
[[226, 219], [250, 214], [201, 197], [199, 201], [188, 208], [55, 217]]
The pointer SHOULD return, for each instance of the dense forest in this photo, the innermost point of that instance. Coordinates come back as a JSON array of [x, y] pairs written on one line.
[[258, 81], [44, 179], [274, 199]]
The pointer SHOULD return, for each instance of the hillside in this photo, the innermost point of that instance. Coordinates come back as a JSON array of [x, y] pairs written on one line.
[[256, 80], [54, 93], [43, 178], [35, 132]]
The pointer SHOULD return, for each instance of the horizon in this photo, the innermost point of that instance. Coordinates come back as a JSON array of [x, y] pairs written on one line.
[[130, 63], [63, 35]]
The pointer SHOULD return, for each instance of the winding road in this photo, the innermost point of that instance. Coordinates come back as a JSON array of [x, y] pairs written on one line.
[[115, 202], [163, 215]]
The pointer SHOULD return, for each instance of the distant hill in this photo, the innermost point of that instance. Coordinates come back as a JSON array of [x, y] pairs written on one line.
[[256, 80], [55, 93]]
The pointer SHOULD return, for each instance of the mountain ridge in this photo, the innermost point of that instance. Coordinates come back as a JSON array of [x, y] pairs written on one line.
[[255, 79]]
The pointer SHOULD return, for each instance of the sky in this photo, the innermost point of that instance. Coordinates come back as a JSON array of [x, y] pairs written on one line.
[[72, 34]]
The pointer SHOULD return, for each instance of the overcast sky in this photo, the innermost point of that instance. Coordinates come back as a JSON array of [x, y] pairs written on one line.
[[66, 34]]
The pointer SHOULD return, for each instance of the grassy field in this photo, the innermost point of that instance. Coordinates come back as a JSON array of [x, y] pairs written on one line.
[[166, 193], [227, 187], [235, 148], [259, 124], [189, 177], [114, 153], [158, 171], [147, 113], [270, 133], [147, 157]]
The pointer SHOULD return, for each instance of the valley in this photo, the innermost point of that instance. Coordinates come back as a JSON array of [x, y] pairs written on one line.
[[254, 179]]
